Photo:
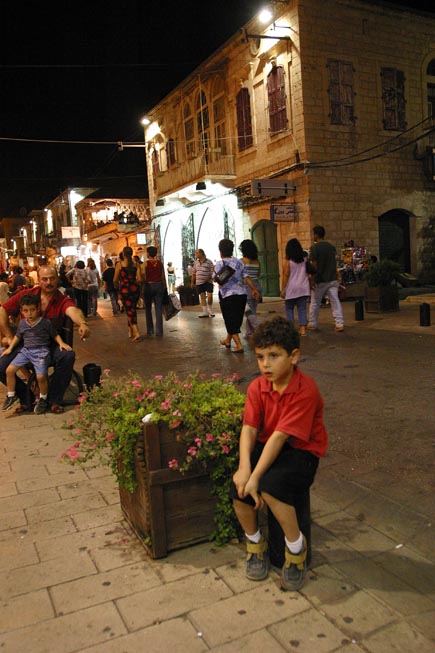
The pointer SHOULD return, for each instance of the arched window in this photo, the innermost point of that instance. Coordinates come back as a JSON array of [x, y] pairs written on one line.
[[189, 132], [277, 100], [218, 99], [244, 121]]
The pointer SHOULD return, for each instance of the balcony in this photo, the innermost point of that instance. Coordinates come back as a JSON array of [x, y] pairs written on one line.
[[215, 166]]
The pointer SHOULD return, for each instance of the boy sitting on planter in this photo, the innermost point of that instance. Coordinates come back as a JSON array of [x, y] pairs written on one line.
[[282, 439]]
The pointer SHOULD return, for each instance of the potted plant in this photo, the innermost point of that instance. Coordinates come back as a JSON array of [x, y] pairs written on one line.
[[188, 296], [172, 445], [381, 293]]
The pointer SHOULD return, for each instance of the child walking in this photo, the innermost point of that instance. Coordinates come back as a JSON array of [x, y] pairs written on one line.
[[282, 439], [36, 333]]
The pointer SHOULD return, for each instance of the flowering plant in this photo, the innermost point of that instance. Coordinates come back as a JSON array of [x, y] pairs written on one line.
[[204, 413]]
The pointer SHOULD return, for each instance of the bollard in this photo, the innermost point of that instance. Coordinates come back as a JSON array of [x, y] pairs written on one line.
[[424, 314], [91, 375], [359, 310]]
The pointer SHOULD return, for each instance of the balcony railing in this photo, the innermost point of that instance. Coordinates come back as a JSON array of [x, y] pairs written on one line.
[[214, 165]]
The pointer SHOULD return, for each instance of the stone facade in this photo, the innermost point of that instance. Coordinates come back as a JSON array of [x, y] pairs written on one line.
[[339, 94]]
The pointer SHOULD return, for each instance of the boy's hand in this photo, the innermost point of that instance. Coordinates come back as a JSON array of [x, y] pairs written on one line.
[[6, 352], [240, 478], [251, 488]]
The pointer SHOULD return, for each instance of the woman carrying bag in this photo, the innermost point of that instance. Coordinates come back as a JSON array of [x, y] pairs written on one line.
[[155, 286]]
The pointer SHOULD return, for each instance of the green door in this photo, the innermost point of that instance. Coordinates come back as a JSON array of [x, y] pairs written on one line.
[[263, 233]]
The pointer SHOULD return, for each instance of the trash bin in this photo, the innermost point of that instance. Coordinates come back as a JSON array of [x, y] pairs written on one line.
[[91, 375]]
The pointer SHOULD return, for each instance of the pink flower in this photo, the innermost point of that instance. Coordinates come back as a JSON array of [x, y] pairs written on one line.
[[165, 405], [158, 377], [116, 394], [188, 386], [106, 371], [136, 383], [173, 464], [140, 398], [174, 424], [236, 376], [209, 437], [81, 399], [110, 437], [192, 451], [216, 375], [150, 393], [225, 449], [198, 442], [177, 412]]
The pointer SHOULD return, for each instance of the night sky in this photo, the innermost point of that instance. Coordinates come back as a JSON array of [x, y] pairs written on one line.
[[89, 71]]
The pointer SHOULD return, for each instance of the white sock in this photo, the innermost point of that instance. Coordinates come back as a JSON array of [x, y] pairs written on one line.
[[43, 396], [255, 538], [297, 545], [204, 309], [210, 310], [11, 394]]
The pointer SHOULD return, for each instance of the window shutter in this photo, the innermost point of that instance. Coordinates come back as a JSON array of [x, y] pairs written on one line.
[[244, 122], [341, 93], [277, 100]]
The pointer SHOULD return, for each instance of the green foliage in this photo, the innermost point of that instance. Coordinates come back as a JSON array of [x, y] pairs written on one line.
[[205, 414], [382, 273]]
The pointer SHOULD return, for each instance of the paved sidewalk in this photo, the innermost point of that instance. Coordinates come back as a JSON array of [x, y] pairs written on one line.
[[74, 578]]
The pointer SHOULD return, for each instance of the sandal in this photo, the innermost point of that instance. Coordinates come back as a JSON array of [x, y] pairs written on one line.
[[57, 409], [239, 350], [137, 339], [22, 409], [225, 344]]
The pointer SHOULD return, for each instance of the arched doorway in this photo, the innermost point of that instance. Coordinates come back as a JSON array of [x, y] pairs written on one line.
[[263, 233], [394, 241]]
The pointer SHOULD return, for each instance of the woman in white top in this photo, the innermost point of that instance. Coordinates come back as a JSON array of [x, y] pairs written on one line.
[[93, 286], [295, 283]]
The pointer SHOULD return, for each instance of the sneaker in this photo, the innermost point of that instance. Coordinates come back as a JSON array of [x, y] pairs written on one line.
[[9, 402], [204, 315], [294, 569], [211, 315], [339, 328], [257, 560], [41, 406]]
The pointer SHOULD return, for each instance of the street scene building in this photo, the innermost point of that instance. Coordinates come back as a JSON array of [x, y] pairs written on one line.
[[323, 114]]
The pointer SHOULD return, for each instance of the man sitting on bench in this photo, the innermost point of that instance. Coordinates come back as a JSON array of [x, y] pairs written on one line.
[[55, 307]]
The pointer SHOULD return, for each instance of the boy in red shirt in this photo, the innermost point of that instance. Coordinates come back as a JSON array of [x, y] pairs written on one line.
[[282, 439]]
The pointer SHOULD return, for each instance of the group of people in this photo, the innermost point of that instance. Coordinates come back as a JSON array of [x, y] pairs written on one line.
[[311, 276]]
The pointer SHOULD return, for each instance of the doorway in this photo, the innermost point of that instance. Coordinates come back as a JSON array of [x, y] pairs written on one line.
[[394, 240], [263, 233]]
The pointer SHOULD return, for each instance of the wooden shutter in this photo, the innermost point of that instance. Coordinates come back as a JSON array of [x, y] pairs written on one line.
[[244, 122], [277, 100]]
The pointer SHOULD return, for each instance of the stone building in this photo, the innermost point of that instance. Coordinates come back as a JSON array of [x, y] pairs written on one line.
[[323, 114]]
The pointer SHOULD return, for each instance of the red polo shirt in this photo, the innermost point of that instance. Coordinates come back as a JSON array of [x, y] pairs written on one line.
[[298, 411], [55, 310]]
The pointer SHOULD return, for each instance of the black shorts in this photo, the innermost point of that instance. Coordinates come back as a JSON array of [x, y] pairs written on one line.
[[292, 471], [205, 287]]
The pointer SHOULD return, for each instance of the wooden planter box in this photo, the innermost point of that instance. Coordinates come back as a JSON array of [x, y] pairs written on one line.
[[382, 299], [167, 510]]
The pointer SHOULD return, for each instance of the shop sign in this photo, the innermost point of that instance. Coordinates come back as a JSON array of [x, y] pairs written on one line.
[[70, 232], [283, 212]]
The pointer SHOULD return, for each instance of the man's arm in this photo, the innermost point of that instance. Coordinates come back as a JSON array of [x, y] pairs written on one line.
[[76, 315], [4, 324], [12, 345]]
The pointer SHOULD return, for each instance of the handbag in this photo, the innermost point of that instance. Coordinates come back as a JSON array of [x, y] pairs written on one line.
[[172, 308], [224, 274]]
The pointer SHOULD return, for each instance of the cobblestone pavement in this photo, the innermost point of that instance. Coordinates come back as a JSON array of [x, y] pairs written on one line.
[[74, 578]]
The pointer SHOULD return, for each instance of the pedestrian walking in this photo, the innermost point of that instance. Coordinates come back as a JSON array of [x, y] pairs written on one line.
[[109, 286], [94, 282], [252, 265], [323, 259], [127, 279], [80, 282], [295, 288], [202, 279], [155, 285]]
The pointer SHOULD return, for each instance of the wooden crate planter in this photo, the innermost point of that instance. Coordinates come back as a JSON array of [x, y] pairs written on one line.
[[381, 299], [167, 510]]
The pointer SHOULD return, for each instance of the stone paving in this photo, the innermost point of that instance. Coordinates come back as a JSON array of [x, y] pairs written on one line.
[[74, 578]]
